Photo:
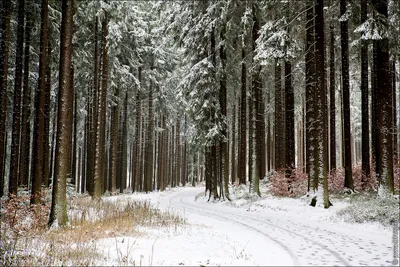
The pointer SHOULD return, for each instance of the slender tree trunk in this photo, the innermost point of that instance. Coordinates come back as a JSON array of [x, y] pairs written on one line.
[[279, 119], [100, 131], [75, 133], [289, 122], [321, 133], [364, 101], [114, 140], [149, 145], [243, 118], [16, 125], [222, 99], [4, 53], [233, 143], [269, 152], [47, 111], [395, 126], [344, 38], [332, 91], [384, 120], [40, 101], [58, 213], [124, 142], [26, 106], [310, 96]]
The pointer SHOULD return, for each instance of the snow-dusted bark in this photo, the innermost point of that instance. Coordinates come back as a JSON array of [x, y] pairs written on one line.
[[384, 112], [4, 53], [320, 195], [58, 213]]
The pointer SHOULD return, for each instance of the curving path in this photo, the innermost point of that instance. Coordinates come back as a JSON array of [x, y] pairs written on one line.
[[288, 240]]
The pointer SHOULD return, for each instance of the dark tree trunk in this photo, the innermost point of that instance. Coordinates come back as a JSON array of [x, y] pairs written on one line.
[[279, 120], [321, 133], [114, 140], [269, 152], [138, 130], [93, 118], [289, 120], [233, 143], [47, 111], [16, 125], [364, 101], [310, 95], [222, 99], [75, 132], [100, 131], [395, 126], [344, 40], [243, 118], [374, 89], [26, 106], [4, 53], [384, 119], [58, 213], [332, 90], [124, 143], [40, 101], [149, 145]]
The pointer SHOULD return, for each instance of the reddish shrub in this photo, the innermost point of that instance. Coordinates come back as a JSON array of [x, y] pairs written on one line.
[[295, 185], [361, 182]]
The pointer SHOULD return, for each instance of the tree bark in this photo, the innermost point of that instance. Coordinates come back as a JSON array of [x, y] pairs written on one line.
[[310, 96], [100, 131], [243, 118], [26, 106], [58, 212], [4, 53], [321, 133], [384, 119], [332, 98], [16, 125], [365, 165], [344, 40]]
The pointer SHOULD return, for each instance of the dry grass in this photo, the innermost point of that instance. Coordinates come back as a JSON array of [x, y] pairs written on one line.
[[22, 244]]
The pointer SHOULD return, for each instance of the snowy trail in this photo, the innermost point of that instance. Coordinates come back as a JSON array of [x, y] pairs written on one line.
[[294, 240]]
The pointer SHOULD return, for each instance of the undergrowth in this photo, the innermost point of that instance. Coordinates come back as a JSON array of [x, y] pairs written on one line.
[[295, 184], [25, 239]]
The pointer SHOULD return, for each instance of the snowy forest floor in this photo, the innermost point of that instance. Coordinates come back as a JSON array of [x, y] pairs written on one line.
[[181, 227]]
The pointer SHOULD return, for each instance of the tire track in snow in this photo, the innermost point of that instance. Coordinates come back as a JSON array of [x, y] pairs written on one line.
[[315, 244], [204, 212]]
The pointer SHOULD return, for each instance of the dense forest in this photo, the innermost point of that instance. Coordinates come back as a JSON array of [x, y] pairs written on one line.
[[107, 97]]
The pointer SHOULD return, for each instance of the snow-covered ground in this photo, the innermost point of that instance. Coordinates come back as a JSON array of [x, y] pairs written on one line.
[[248, 231]]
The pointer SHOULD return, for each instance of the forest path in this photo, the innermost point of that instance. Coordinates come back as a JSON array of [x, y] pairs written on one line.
[[279, 238]]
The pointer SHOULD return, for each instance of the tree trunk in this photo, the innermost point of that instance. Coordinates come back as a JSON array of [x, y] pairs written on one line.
[[124, 143], [40, 101], [26, 106], [114, 140], [16, 125], [149, 145], [289, 122], [100, 131], [222, 99], [58, 213], [384, 120], [332, 91], [344, 40], [310, 96], [365, 165], [243, 118], [321, 133], [279, 120], [4, 53], [47, 111]]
